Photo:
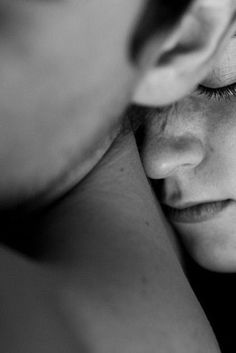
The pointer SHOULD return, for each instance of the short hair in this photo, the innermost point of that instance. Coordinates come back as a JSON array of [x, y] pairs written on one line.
[[157, 15]]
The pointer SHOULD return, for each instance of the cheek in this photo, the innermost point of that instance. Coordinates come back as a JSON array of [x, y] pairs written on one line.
[[63, 82], [222, 137]]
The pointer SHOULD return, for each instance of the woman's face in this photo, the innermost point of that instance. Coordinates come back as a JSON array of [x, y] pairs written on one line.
[[191, 149]]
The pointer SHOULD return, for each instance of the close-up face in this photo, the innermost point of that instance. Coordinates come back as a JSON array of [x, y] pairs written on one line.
[[69, 68], [65, 77], [190, 155]]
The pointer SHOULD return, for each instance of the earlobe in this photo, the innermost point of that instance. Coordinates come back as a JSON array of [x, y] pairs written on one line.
[[188, 52]]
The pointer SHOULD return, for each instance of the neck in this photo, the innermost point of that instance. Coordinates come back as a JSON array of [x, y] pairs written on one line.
[[113, 200]]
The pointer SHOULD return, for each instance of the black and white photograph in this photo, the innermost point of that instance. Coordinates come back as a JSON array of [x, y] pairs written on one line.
[[117, 176]]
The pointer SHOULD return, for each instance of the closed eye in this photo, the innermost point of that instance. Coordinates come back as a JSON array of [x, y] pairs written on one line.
[[220, 93]]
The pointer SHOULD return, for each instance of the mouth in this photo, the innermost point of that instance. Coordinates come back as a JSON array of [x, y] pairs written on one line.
[[197, 213]]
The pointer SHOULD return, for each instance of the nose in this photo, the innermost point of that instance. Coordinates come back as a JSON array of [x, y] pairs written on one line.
[[169, 155]]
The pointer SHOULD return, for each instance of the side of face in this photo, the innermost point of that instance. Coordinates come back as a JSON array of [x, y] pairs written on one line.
[[190, 154], [65, 77]]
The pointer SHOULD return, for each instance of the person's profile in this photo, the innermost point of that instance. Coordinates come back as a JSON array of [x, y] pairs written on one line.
[[190, 149]]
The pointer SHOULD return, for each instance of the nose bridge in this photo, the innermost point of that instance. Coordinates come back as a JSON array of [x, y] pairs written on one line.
[[167, 155]]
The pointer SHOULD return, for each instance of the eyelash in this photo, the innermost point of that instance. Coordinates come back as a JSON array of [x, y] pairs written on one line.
[[219, 94]]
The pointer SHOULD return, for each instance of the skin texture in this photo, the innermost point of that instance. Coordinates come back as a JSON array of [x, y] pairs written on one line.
[[66, 77], [107, 278], [187, 53], [103, 279], [59, 103], [193, 152]]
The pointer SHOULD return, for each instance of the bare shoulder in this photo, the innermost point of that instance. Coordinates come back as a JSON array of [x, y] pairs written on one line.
[[109, 279], [122, 266]]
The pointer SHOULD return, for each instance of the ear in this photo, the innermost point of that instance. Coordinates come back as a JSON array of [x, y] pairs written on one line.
[[187, 53]]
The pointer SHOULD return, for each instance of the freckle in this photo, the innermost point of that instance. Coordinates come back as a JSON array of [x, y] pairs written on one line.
[[144, 280], [121, 170], [147, 223], [211, 149]]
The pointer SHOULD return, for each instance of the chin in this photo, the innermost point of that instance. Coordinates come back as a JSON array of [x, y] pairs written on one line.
[[213, 259]]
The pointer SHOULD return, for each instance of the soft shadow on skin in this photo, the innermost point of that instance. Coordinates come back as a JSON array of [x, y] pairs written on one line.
[[20, 233]]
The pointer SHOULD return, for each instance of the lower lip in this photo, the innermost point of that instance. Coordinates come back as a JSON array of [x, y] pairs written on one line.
[[196, 214]]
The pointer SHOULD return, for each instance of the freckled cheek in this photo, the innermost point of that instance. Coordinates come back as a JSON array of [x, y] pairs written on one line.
[[229, 176], [223, 140], [221, 113]]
